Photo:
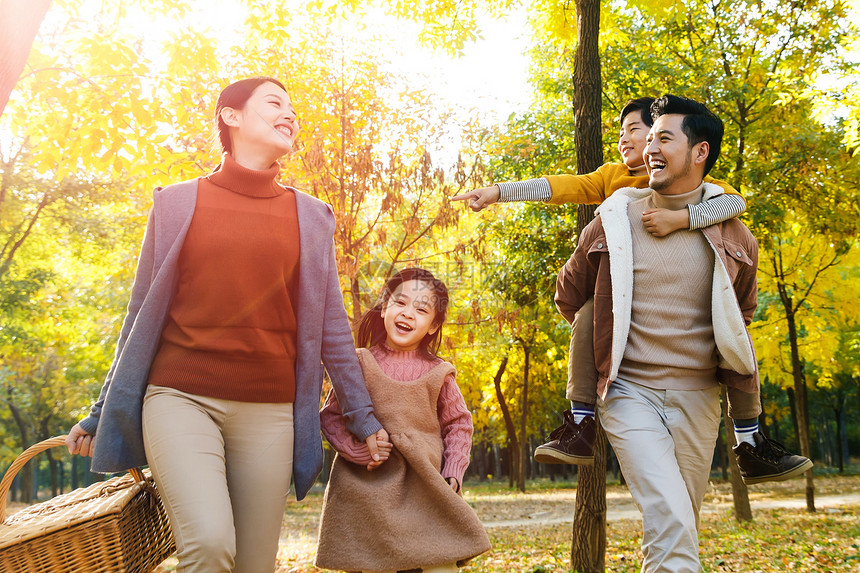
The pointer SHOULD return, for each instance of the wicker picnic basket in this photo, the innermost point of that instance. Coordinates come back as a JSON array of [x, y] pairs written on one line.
[[114, 526]]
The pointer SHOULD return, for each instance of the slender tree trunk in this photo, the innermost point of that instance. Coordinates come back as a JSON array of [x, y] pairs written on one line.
[[588, 542], [513, 444], [740, 494], [19, 24], [26, 473], [524, 444], [792, 406], [840, 419], [801, 406]]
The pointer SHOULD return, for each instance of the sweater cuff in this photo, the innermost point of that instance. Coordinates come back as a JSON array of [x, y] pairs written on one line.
[[528, 190], [89, 424], [455, 469], [370, 426]]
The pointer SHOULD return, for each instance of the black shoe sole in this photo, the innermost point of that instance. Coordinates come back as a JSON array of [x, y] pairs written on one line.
[[550, 456], [788, 474]]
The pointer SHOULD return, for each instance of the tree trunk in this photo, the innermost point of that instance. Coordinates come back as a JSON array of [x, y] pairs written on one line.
[[588, 543], [740, 494], [840, 419], [801, 406], [588, 547], [721, 450], [792, 406], [19, 24], [513, 445], [26, 473], [524, 445]]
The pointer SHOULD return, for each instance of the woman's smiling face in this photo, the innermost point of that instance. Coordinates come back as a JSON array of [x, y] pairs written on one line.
[[266, 127]]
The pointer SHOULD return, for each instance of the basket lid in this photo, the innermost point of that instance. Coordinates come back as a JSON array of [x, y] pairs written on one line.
[[99, 500]]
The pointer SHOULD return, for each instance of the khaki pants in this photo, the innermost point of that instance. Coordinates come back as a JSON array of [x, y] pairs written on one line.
[[223, 470], [664, 440], [582, 373]]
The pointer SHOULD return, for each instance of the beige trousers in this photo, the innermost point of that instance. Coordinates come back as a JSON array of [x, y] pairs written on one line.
[[664, 440], [582, 372], [223, 470]]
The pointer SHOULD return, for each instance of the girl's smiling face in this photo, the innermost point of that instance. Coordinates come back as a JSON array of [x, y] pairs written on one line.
[[409, 315]]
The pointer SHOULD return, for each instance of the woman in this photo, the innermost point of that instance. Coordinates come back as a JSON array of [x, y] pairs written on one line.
[[217, 375]]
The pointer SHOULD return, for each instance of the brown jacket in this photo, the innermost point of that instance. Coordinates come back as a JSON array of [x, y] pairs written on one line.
[[602, 267]]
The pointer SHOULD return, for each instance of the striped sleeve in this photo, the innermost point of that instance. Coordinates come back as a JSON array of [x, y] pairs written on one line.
[[720, 208], [528, 190]]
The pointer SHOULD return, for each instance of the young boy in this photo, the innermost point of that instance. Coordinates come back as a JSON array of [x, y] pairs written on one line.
[[759, 458]]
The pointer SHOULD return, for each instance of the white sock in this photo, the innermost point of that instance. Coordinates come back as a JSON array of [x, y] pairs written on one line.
[[745, 433], [579, 414]]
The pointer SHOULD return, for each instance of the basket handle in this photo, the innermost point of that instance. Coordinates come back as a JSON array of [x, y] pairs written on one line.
[[30, 453]]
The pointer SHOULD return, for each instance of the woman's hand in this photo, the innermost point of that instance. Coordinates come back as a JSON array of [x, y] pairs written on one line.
[[80, 442], [380, 448]]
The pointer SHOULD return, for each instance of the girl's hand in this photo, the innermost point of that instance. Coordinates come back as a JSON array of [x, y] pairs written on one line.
[[380, 448], [455, 485], [661, 222], [80, 442]]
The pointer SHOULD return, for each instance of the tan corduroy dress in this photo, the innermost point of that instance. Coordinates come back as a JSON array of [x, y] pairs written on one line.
[[402, 515]]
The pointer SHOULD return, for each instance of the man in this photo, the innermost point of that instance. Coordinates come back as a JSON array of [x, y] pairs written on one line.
[[670, 317]]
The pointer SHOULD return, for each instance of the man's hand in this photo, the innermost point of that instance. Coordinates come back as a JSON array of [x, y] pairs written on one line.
[[661, 222], [380, 448], [479, 198], [80, 442]]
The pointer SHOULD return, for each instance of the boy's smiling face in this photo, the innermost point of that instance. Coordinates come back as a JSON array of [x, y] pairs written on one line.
[[632, 140]]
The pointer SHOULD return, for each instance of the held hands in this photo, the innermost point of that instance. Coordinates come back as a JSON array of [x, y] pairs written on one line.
[[80, 442], [380, 448], [661, 222], [479, 198]]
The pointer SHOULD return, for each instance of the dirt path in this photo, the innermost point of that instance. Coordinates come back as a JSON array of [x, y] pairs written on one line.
[[620, 506]]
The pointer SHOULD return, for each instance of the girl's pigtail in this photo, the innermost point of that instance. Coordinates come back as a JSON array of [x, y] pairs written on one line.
[[371, 328]]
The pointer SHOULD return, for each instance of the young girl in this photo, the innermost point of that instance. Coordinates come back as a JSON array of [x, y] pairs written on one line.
[[403, 512]]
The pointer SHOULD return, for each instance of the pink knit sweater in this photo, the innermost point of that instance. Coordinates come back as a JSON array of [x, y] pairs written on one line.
[[454, 417]]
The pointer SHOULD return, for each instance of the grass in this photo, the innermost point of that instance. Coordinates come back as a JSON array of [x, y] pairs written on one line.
[[777, 540]]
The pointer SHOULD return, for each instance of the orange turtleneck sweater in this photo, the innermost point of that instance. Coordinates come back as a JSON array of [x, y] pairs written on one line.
[[231, 330]]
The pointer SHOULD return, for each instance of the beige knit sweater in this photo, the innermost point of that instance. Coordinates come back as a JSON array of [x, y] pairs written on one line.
[[671, 341]]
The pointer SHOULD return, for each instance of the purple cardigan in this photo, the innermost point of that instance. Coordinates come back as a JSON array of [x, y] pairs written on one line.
[[324, 339]]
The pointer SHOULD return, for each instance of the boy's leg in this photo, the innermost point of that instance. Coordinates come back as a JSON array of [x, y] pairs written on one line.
[[573, 441], [760, 459]]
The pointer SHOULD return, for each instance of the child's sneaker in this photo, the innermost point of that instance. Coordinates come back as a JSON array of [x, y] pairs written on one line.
[[768, 461], [570, 443]]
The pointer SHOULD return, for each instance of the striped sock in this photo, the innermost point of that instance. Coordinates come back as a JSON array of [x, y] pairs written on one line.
[[744, 430], [580, 411]]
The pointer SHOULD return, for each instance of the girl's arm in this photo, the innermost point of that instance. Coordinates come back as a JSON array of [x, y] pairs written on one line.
[[456, 424], [338, 435]]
